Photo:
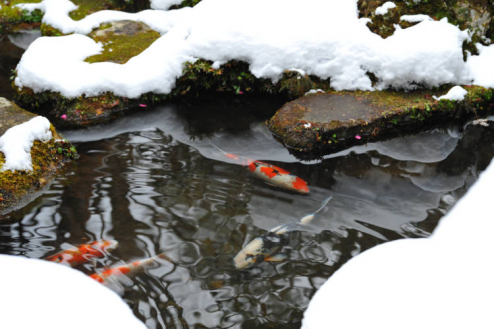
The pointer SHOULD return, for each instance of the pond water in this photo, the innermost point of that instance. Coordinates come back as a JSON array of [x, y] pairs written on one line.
[[154, 182]]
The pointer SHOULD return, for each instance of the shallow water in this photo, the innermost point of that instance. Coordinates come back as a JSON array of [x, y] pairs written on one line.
[[154, 182]]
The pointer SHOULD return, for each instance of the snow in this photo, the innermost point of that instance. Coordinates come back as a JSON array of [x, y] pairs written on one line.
[[383, 10], [444, 281], [42, 294], [481, 67], [415, 18], [16, 143], [164, 4], [456, 93], [428, 54]]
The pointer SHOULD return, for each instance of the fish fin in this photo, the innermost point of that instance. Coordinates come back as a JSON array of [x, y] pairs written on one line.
[[276, 258], [324, 203]]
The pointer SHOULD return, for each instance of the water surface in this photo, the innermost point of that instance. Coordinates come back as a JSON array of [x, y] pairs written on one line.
[[154, 182]]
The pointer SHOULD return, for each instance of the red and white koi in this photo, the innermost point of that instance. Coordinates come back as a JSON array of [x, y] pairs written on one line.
[[267, 246], [83, 253], [270, 173], [128, 270]]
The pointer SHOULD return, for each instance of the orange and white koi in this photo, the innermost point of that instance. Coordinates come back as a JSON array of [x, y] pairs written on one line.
[[267, 246], [83, 253], [126, 270], [270, 173]]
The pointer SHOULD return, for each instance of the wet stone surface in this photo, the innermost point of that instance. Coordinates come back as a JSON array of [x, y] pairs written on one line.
[[319, 124]]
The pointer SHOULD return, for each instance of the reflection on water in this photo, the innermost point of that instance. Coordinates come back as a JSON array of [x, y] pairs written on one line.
[[146, 183]]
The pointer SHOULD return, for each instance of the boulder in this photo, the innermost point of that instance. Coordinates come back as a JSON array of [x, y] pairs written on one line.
[[20, 187], [323, 123]]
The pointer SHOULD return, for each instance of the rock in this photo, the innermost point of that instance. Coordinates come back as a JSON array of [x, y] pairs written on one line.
[[20, 187], [324, 123], [476, 15], [14, 19]]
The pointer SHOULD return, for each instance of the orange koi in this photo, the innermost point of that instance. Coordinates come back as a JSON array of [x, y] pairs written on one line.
[[127, 269], [271, 174], [83, 253]]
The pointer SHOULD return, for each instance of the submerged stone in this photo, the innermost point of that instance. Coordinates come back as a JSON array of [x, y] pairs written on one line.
[[18, 188], [324, 123]]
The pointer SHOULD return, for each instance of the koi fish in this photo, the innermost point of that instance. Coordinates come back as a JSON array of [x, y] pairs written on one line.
[[83, 253], [267, 246], [127, 269], [270, 173]]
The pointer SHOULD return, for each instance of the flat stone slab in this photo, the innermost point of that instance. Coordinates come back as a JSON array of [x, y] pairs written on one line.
[[18, 188], [319, 124]]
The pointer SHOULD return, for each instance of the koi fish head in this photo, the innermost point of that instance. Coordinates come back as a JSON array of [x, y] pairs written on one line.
[[260, 249]]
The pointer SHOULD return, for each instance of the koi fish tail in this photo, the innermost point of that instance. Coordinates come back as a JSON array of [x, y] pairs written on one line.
[[216, 147], [307, 219], [323, 205]]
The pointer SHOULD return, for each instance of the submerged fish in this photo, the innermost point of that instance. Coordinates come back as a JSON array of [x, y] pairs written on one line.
[[267, 246], [272, 174], [83, 253], [127, 269]]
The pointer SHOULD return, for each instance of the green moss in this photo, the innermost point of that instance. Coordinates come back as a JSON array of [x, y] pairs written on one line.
[[87, 7], [370, 115], [121, 48], [46, 159], [48, 30], [12, 18]]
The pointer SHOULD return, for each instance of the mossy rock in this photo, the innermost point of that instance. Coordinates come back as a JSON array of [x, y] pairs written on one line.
[[324, 123], [20, 187], [14, 19], [476, 15], [198, 79]]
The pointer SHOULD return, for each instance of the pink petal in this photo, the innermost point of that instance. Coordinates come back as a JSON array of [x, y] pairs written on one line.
[[357, 137], [240, 92], [143, 105], [64, 116]]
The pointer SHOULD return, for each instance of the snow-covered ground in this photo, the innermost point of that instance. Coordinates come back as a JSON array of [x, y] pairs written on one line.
[[321, 37], [41, 294], [444, 281]]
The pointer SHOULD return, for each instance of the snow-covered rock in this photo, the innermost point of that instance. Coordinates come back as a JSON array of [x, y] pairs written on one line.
[[327, 39], [42, 294], [444, 281]]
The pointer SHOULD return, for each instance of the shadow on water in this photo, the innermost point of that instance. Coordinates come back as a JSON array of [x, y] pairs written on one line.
[[154, 182]]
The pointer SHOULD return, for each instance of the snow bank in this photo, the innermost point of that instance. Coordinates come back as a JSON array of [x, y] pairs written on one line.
[[383, 10], [164, 4], [16, 143], [481, 67], [41, 294], [456, 93], [444, 281], [326, 39]]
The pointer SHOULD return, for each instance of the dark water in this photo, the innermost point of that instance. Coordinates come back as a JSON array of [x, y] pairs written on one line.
[[153, 182]]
